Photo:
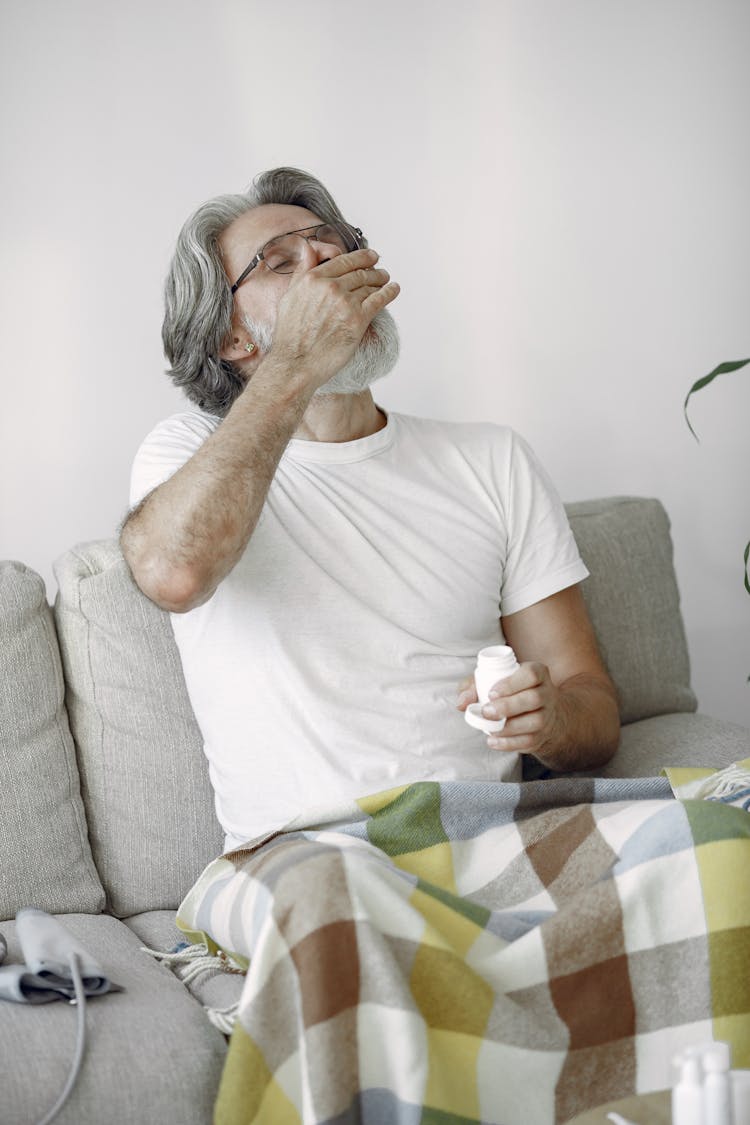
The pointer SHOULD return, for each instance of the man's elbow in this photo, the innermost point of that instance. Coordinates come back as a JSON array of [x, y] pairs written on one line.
[[174, 588], [609, 723], [611, 741], [599, 732]]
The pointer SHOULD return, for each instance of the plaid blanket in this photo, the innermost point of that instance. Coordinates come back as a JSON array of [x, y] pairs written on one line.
[[470, 952]]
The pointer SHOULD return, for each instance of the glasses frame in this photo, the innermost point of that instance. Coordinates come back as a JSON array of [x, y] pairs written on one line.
[[359, 239]]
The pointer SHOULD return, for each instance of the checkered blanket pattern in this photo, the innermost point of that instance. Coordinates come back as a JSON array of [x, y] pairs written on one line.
[[510, 954]]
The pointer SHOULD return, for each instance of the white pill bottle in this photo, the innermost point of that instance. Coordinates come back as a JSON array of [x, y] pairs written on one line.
[[493, 664], [717, 1087]]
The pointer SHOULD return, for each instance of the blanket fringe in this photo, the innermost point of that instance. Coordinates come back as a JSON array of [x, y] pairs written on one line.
[[193, 963], [731, 786], [223, 1018]]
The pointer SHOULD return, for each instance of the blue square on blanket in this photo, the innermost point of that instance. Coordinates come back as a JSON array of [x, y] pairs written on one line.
[[665, 833]]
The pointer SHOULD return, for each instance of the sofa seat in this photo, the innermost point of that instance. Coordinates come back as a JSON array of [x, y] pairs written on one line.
[[677, 740], [151, 1054]]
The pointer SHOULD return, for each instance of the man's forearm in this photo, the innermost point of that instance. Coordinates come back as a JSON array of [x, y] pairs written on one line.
[[187, 535]]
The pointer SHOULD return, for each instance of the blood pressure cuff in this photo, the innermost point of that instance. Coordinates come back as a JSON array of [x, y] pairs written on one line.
[[47, 947]]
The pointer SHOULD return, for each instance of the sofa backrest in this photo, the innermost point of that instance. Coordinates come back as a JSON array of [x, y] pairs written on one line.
[[144, 778], [634, 603], [46, 859]]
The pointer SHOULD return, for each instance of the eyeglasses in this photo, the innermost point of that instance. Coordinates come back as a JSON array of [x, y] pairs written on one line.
[[284, 253]]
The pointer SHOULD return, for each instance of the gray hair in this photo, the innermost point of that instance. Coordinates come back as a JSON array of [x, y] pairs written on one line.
[[198, 317]]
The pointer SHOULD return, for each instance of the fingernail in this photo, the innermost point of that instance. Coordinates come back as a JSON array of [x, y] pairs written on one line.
[[490, 712], [464, 697]]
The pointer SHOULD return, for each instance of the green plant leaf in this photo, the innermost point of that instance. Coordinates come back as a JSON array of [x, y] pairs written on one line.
[[722, 369]]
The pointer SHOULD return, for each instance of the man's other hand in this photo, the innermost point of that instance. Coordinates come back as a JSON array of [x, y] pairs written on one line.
[[530, 704], [560, 705]]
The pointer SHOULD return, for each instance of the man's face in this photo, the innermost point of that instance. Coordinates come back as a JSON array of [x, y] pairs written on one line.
[[257, 299], [259, 295]]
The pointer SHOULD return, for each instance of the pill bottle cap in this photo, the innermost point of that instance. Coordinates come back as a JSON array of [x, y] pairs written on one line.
[[716, 1057], [501, 657]]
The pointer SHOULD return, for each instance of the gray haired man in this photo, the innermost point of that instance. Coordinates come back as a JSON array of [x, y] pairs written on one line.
[[333, 569]]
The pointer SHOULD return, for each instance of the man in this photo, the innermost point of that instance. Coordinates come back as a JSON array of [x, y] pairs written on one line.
[[333, 570]]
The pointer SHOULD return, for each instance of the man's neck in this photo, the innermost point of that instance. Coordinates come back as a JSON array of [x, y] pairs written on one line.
[[338, 418]]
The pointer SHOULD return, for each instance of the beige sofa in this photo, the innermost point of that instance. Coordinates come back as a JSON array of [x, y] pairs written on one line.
[[106, 814]]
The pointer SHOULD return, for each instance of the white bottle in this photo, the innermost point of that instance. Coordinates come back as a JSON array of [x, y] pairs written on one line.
[[687, 1095], [740, 1082], [717, 1090], [493, 664]]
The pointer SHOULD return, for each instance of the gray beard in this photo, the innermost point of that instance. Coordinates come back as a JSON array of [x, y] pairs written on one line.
[[375, 356]]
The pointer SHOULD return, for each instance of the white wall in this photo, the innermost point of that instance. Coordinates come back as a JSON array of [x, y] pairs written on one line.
[[560, 188]]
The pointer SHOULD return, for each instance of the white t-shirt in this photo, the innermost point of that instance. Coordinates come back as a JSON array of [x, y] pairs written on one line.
[[325, 665]]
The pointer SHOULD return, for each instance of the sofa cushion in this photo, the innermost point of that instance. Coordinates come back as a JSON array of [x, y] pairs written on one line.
[[151, 1053], [157, 929], [145, 782], [46, 858], [649, 745], [634, 603]]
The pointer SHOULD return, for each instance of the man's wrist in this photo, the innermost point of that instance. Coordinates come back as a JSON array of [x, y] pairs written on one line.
[[586, 731], [286, 382]]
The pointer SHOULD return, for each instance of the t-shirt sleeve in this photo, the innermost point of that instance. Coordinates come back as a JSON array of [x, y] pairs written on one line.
[[542, 554], [166, 449]]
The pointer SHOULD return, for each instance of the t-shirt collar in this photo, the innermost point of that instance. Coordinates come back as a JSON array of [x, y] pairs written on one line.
[[341, 452]]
